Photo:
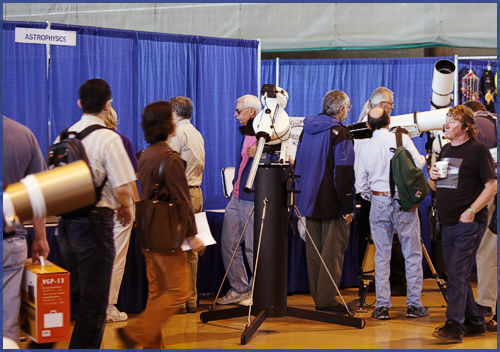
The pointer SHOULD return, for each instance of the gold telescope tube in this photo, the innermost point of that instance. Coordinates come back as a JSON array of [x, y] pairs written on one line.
[[56, 191]]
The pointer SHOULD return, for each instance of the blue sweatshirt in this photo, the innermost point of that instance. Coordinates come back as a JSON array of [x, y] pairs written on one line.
[[325, 162]]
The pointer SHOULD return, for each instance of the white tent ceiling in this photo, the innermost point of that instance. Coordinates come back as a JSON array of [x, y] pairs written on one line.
[[287, 26]]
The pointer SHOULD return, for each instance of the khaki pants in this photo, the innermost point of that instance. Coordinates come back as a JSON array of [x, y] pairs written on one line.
[[192, 257], [168, 288]]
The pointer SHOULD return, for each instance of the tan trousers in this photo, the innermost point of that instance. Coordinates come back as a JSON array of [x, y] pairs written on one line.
[[168, 288], [192, 257]]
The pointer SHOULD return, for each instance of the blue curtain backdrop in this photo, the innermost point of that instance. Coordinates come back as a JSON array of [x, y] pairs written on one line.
[[141, 68], [24, 74]]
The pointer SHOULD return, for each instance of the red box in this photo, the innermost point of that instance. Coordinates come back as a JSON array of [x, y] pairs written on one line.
[[45, 306]]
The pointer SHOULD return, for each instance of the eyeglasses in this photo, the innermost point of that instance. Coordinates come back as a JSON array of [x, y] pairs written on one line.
[[391, 104], [238, 111]]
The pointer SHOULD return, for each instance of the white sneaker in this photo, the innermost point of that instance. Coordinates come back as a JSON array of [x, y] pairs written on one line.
[[114, 315], [247, 301], [232, 297]]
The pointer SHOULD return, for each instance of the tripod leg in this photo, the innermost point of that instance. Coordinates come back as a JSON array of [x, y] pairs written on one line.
[[250, 329], [439, 283], [362, 299]]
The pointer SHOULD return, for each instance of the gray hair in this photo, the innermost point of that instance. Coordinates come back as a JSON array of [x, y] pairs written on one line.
[[333, 101], [250, 101], [379, 95], [182, 106]]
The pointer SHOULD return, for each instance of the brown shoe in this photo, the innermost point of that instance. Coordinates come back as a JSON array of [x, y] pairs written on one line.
[[126, 340], [191, 309]]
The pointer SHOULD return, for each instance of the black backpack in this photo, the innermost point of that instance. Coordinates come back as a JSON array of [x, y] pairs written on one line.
[[410, 180], [68, 150]]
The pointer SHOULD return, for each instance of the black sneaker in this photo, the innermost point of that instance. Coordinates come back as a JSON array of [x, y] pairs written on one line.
[[381, 313], [491, 326], [338, 308], [484, 310], [417, 312], [450, 332], [472, 330]]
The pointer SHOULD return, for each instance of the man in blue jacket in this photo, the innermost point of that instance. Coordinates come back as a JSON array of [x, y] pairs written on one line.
[[239, 209], [325, 162]]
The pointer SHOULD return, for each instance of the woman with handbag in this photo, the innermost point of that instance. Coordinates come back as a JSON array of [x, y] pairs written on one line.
[[164, 219]]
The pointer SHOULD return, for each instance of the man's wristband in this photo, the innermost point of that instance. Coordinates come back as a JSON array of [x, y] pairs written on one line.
[[473, 210], [435, 180]]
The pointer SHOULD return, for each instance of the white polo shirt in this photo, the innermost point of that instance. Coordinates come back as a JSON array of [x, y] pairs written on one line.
[[107, 156]]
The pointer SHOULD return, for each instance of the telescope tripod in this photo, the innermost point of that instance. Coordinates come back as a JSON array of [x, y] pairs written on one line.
[[367, 273], [269, 287]]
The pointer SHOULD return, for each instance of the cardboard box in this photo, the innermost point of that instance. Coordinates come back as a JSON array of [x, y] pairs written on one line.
[[45, 306]]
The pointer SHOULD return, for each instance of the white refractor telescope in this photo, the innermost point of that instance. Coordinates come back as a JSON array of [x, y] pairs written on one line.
[[271, 126], [441, 99]]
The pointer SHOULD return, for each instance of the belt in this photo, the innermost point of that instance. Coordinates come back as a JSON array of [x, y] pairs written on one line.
[[385, 194], [194, 186]]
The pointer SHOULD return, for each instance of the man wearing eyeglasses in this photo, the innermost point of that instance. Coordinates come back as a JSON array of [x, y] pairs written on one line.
[[239, 208], [324, 161]]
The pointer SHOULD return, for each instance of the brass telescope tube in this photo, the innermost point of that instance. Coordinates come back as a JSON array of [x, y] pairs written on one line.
[[64, 189]]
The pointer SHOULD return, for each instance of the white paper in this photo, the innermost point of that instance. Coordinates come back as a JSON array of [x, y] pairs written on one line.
[[204, 233]]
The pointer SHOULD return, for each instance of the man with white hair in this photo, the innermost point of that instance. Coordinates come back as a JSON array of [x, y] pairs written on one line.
[[239, 209]]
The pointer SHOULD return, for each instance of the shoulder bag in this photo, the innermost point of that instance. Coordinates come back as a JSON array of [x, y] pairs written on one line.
[[161, 225]]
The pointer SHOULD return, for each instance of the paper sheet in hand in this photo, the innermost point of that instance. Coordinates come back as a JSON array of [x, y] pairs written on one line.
[[204, 233]]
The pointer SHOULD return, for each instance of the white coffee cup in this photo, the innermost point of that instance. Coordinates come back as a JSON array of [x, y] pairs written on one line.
[[442, 168]]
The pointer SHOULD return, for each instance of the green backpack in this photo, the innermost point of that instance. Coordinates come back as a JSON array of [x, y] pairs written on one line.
[[410, 180]]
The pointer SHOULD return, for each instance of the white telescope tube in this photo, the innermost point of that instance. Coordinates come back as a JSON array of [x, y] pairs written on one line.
[[442, 84], [419, 122]]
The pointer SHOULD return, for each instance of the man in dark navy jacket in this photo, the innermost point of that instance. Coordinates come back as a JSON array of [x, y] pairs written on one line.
[[325, 162], [238, 211]]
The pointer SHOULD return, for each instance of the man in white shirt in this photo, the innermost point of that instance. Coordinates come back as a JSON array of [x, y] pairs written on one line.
[[189, 143], [372, 181], [86, 240]]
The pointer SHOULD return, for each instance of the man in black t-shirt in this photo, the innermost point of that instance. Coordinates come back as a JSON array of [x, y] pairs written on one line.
[[461, 200]]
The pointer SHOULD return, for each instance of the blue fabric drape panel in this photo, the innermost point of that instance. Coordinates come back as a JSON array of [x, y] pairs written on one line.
[[198, 67], [25, 83], [99, 53], [217, 87]]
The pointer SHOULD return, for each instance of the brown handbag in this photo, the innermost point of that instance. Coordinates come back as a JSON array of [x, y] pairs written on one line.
[[161, 225]]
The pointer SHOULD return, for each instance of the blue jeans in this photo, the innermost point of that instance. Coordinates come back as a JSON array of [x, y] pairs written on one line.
[[14, 254], [88, 251], [385, 216], [460, 244], [235, 218]]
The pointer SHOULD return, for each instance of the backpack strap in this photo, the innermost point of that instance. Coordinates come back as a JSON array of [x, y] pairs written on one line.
[[399, 143], [85, 132], [81, 135]]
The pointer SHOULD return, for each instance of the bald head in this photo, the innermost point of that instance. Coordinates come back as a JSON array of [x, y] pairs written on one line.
[[378, 118]]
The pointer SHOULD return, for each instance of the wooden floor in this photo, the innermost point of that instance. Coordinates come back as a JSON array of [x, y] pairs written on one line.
[[185, 331]]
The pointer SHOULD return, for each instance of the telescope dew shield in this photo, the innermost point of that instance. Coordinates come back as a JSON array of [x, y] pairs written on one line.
[[56, 191], [442, 84]]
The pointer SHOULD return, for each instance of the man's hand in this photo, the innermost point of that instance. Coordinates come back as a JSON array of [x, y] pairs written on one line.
[[348, 218], [466, 217], [251, 151], [39, 248], [124, 215]]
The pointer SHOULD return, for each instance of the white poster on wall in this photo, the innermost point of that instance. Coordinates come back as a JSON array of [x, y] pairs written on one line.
[[45, 36]]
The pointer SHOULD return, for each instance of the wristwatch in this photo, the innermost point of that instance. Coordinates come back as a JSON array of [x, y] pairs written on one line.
[[473, 210]]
